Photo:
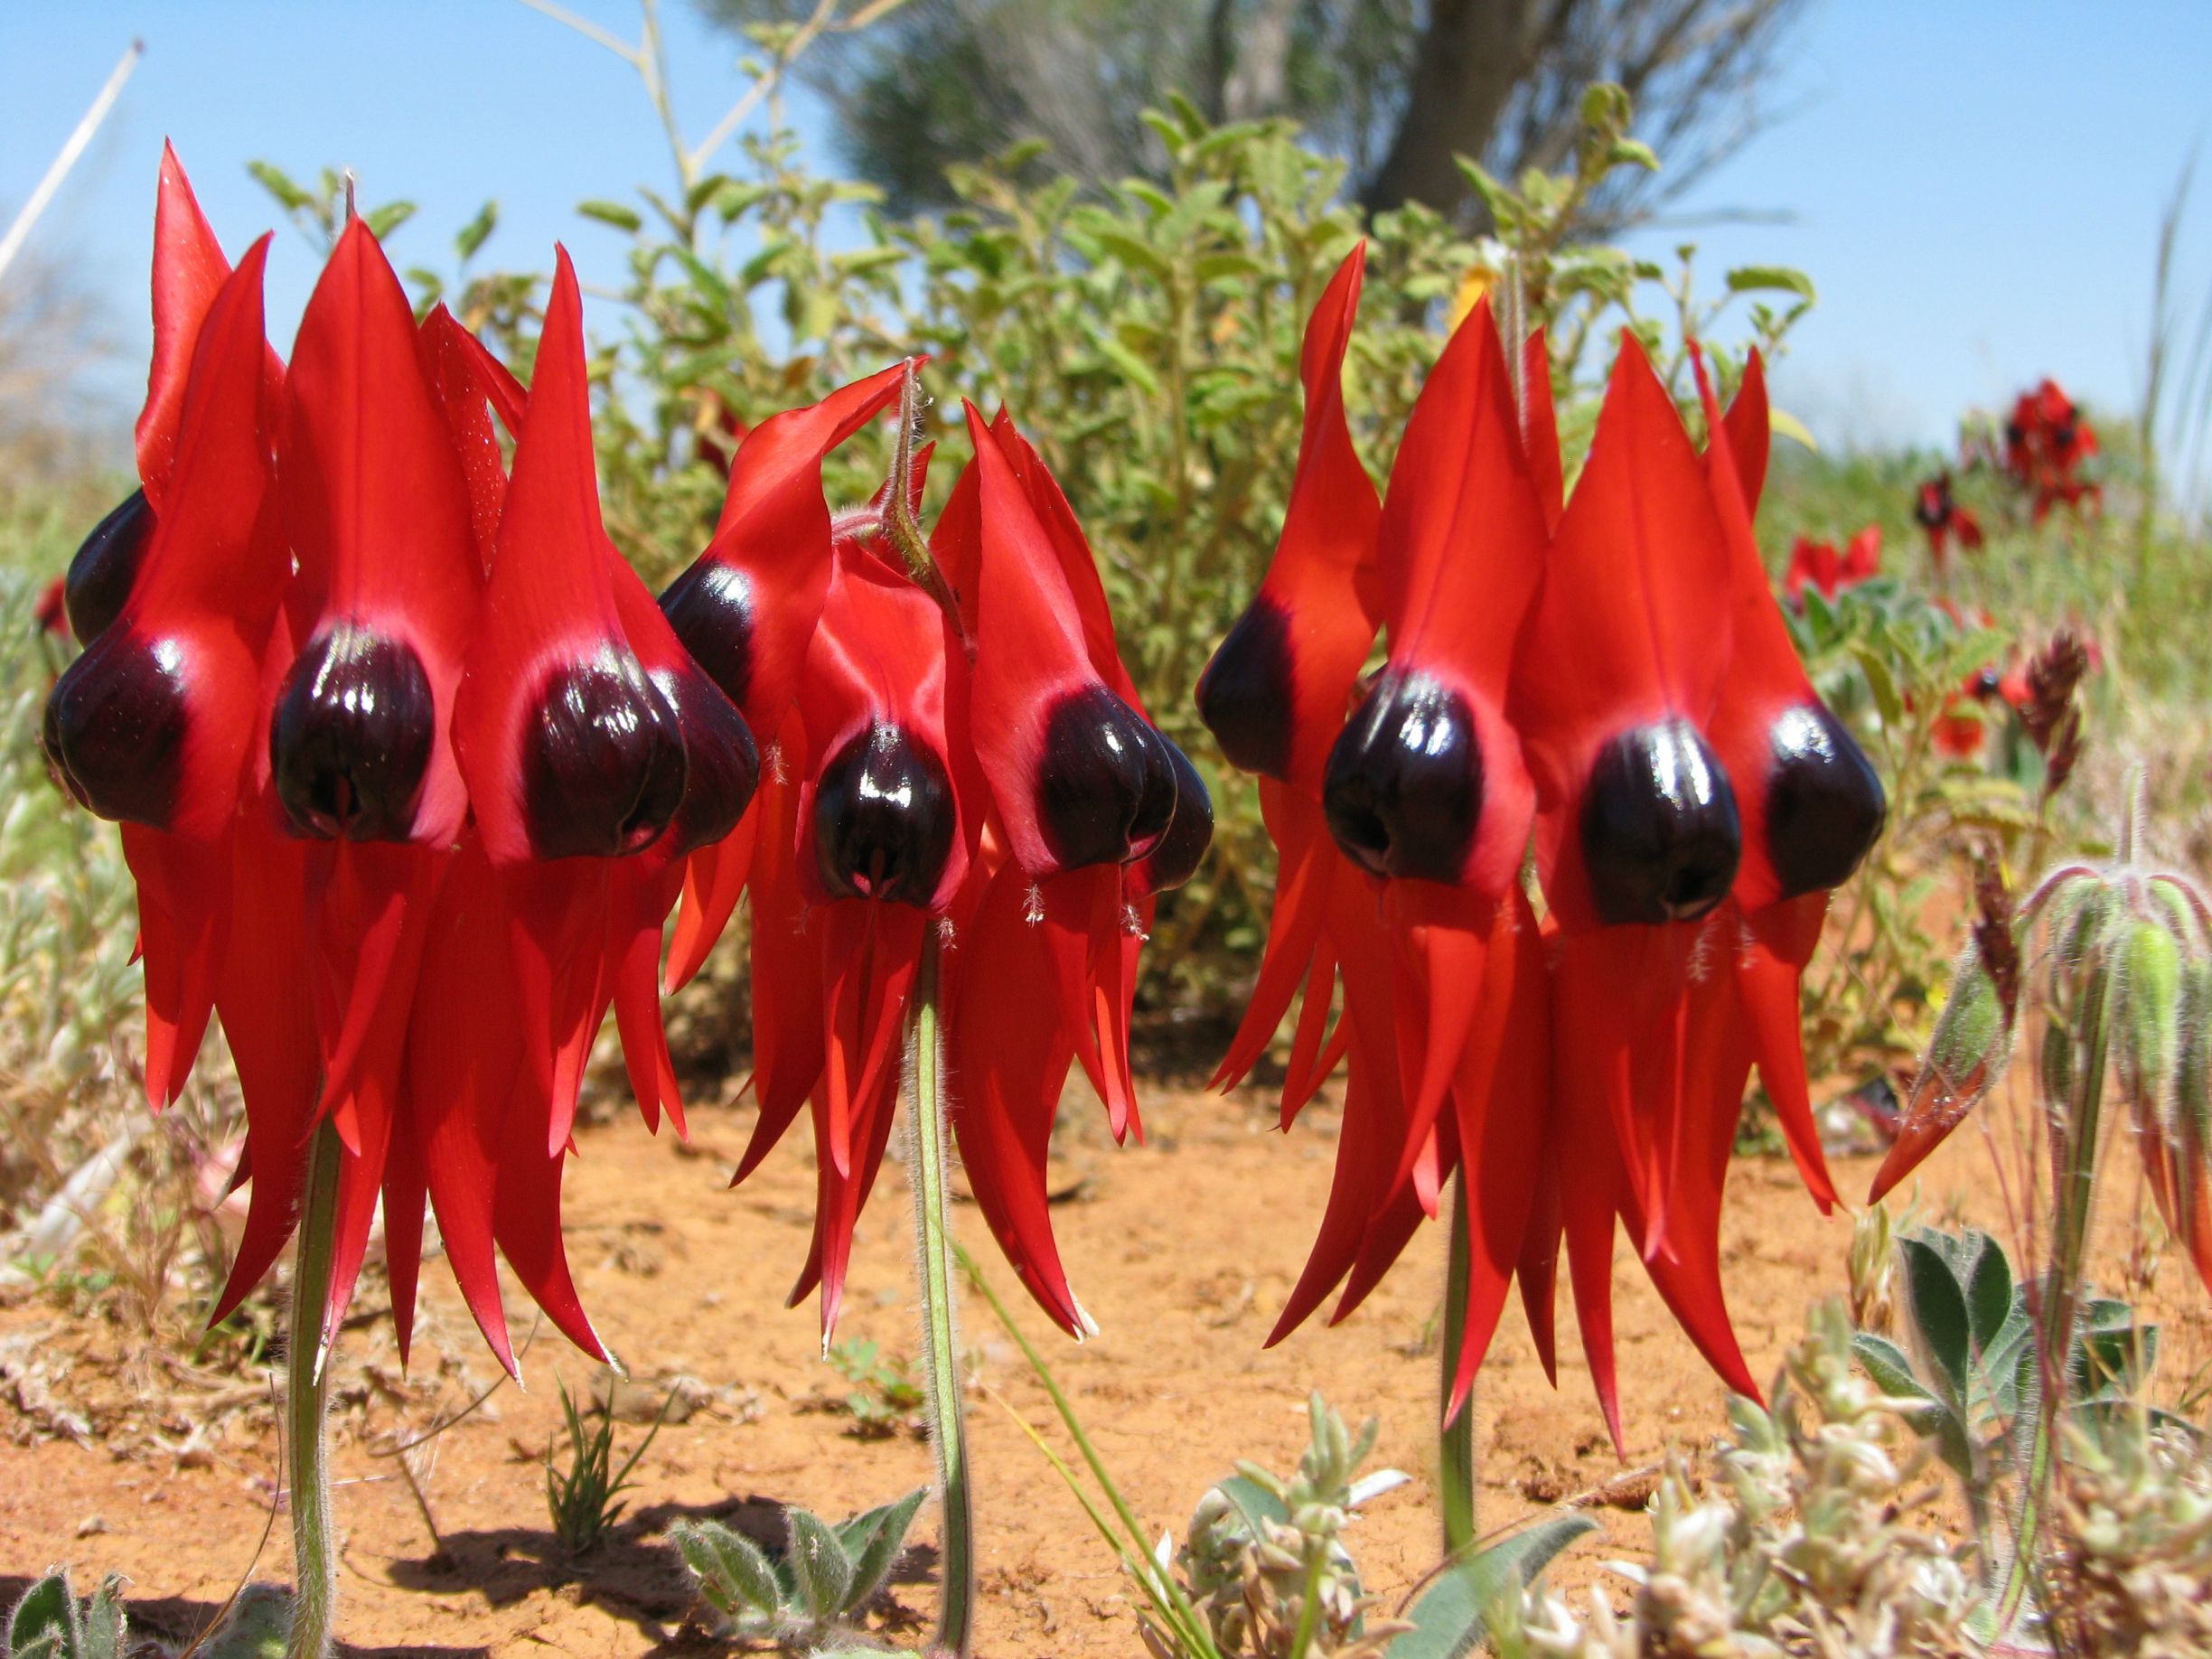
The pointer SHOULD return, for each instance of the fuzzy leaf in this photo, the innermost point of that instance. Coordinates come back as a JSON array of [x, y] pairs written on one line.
[[821, 1574], [1937, 1306], [730, 1567], [1453, 1618], [873, 1559]]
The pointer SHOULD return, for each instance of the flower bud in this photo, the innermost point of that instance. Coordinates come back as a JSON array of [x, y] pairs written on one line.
[[2148, 1014], [1972, 1043]]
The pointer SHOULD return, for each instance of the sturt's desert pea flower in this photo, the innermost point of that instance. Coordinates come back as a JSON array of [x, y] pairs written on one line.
[[1817, 565], [965, 805], [1607, 682], [1944, 520], [2047, 442], [406, 758]]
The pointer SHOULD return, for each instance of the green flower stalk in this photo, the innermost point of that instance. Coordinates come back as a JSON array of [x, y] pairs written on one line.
[[2110, 966]]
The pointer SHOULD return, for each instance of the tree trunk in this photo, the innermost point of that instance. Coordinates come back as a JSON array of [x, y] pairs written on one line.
[[1471, 57]]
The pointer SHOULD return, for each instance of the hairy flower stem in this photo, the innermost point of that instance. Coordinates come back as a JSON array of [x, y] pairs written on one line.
[[2079, 1128], [314, 1545], [940, 1366], [1455, 1440]]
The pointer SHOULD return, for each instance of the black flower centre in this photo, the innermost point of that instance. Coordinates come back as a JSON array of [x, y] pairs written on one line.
[[351, 736], [602, 760], [1404, 791], [103, 569], [1660, 831], [884, 818]]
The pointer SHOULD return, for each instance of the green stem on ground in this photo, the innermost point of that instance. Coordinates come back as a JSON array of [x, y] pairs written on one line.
[[941, 1365], [1455, 1440], [2082, 1127], [314, 1545]]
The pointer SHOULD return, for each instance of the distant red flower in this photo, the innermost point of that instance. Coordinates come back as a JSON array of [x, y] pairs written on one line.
[[1818, 564], [1943, 519], [2048, 440], [51, 610]]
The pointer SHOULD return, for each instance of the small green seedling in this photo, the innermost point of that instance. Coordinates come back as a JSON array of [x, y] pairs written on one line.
[[815, 1590], [883, 1394], [582, 1500]]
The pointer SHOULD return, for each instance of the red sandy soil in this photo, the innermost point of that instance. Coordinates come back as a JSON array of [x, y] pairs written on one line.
[[1182, 1250]]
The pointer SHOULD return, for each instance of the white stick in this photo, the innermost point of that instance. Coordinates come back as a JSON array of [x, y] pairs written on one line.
[[18, 232]]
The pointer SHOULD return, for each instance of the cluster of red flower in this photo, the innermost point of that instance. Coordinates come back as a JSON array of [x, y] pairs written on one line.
[[2046, 442], [1943, 519], [1818, 564], [411, 768], [1610, 676]]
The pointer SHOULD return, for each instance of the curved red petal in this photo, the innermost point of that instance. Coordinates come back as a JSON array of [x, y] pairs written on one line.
[[748, 605], [389, 578], [1274, 691]]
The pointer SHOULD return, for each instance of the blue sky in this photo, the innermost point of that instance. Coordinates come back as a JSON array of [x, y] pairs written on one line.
[[1975, 187]]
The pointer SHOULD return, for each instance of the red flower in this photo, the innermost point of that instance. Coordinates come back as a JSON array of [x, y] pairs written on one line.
[[1818, 564], [1942, 519], [1679, 919], [1021, 807], [405, 757], [52, 612], [2048, 440]]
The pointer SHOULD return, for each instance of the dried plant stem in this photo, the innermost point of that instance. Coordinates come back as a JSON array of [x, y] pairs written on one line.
[[315, 1553], [1455, 1440], [940, 1364], [19, 231]]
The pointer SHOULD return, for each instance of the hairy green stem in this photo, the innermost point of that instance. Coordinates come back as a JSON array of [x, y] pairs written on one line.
[[2081, 1126], [1455, 1440], [314, 1545], [941, 1367]]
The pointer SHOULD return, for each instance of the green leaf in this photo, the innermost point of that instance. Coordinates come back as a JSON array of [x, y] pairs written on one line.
[[612, 213], [1989, 1290], [1133, 368], [821, 1574], [46, 1613], [471, 236], [1783, 424], [730, 1567], [1769, 278], [872, 1561], [1936, 1304], [1255, 1503], [1453, 1616], [279, 183], [383, 221], [1881, 681], [258, 1627], [1889, 1367]]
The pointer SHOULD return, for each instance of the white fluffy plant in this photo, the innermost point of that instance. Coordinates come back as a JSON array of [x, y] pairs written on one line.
[[1800, 1544]]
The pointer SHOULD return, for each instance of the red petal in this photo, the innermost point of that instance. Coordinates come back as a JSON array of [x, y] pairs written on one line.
[[1275, 690], [374, 501], [184, 925], [1633, 621], [1009, 1054], [746, 607], [464, 1052]]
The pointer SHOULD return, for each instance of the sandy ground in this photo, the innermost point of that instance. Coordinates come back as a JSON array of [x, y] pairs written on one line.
[[1182, 1250]]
